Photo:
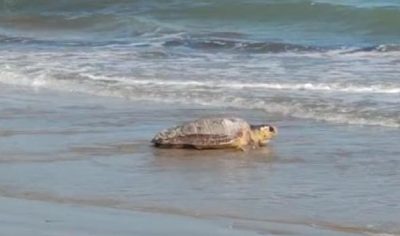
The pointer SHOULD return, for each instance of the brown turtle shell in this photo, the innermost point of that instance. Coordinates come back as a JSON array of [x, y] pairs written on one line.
[[203, 133]]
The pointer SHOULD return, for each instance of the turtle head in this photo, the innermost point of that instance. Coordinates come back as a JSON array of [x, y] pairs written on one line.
[[261, 134]]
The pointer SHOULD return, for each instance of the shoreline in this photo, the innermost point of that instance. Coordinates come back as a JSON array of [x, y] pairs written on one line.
[[46, 218], [168, 220]]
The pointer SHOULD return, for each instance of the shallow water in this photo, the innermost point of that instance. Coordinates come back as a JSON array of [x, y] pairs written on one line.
[[94, 152]]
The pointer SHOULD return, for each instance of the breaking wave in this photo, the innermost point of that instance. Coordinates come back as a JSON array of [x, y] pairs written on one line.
[[225, 94]]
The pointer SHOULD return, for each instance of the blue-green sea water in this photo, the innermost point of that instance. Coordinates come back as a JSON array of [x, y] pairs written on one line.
[[336, 61], [85, 84]]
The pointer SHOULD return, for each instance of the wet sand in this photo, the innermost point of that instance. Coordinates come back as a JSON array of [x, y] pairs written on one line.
[[21, 217], [83, 165]]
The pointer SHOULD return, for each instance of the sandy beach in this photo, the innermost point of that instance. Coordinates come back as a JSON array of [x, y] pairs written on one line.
[[83, 165]]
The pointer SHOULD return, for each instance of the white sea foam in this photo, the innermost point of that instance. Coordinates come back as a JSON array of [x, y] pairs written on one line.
[[320, 87], [317, 87], [175, 91]]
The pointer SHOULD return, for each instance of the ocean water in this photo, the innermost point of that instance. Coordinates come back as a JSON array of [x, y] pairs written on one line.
[[86, 84], [336, 61]]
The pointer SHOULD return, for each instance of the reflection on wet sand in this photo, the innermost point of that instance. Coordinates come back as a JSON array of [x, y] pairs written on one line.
[[224, 160], [263, 154]]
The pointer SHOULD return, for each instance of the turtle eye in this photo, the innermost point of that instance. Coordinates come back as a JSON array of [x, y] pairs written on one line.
[[271, 129]]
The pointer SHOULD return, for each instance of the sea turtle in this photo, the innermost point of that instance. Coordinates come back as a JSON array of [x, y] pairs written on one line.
[[215, 133]]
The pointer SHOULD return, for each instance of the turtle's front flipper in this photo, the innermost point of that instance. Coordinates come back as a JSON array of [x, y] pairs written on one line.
[[245, 148], [244, 142]]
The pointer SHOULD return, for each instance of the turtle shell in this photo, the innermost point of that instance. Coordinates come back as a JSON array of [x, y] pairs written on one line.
[[203, 133]]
